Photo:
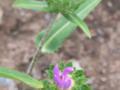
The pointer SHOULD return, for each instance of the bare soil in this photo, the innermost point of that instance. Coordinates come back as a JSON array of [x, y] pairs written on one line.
[[99, 56]]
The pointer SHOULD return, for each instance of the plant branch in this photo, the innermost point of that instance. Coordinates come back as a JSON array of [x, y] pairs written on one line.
[[33, 61]]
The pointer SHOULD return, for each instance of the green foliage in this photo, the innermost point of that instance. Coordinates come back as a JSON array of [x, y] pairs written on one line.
[[73, 14], [64, 6], [82, 87], [50, 72], [85, 87], [32, 4], [62, 28], [7, 73], [80, 80], [78, 76], [73, 11], [62, 65], [75, 19], [39, 38], [48, 85]]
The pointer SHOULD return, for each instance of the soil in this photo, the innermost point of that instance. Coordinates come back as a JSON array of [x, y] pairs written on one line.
[[99, 56]]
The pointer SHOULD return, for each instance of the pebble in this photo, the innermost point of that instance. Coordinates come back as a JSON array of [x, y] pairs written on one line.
[[7, 84]]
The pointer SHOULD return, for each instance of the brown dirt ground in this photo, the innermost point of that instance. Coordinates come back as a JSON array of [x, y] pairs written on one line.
[[99, 56]]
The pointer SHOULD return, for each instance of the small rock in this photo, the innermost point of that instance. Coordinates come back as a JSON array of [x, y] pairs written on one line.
[[7, 84]]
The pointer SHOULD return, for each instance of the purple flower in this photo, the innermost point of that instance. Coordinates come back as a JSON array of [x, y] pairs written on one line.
[[62, 79]]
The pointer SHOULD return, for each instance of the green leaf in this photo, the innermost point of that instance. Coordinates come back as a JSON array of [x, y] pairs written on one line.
[[85, 87], [50, 72], [69, 64], [62, 28], [49, 85], [39, 37], [7, 73], [75, 19], [78, 73], [64, 6], [32, 4]]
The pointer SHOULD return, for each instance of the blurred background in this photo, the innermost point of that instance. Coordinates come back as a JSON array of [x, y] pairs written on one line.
[[99, 56]]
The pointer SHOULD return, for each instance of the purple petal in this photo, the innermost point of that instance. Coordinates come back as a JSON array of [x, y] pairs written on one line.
[[57, 76], [62, 80], [59, 81], [56, 70], [67, 70], [67, 82]]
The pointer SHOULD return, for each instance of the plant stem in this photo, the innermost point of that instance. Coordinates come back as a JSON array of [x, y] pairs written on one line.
[[33, 61]]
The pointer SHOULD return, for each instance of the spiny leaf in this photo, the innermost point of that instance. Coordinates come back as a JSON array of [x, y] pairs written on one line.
[[11, 74]]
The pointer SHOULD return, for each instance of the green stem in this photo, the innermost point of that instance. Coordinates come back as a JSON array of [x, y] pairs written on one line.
[[33, 61]]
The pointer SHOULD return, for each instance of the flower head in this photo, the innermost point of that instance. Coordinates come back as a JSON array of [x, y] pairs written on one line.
[[62, 79]]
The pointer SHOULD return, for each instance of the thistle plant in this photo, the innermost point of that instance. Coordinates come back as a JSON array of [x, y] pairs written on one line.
[[61, 76]]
